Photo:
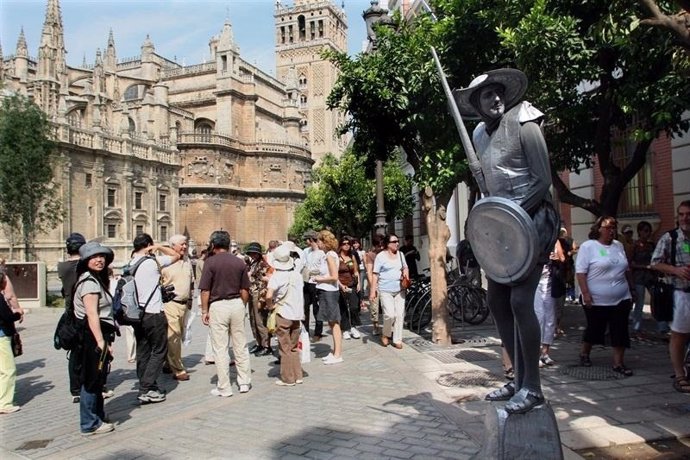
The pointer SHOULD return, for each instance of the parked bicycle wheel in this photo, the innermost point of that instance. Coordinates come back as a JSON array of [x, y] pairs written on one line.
[[424, 317], [477, 310]]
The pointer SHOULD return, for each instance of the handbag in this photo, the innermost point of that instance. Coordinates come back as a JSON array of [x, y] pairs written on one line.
[[271, 322], [304, 346], [17, 348], [405, 281], [662, 301], [662, 292]]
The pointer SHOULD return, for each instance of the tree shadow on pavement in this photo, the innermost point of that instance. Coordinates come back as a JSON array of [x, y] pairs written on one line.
[[414, 426], [27, 388], [25, 368]]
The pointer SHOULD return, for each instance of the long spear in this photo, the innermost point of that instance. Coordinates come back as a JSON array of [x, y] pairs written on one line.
[[475, 165]]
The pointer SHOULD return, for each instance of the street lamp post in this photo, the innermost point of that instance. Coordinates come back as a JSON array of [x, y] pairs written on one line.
[[372, 16]]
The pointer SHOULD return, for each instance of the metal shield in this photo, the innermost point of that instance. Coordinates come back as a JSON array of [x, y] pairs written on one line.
[[504, 239]]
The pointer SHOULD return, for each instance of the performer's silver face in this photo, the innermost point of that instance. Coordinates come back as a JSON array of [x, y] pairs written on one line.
[[491, 101]]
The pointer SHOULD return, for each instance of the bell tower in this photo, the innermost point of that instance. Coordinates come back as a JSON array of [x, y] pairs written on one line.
[[303, 31]]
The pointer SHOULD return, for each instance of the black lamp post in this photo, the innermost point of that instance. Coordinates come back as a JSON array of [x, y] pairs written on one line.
[[372, 16]]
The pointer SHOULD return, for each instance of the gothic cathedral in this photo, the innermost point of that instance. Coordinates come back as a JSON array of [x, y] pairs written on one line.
[[149, 145]]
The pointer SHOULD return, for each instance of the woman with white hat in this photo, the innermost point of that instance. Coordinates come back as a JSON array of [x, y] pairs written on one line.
[[93, 304], [284, 294], [514, 165]]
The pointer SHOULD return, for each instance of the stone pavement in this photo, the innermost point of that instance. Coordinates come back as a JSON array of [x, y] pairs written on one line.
[[418, 402]]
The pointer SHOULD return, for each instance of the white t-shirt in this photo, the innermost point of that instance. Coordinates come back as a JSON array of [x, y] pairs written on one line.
[[287, 294], [313, 262], [389, 268], [605, 266], [323, 271], [147, 278]]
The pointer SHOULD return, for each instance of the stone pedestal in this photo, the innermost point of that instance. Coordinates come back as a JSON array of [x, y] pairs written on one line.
[[521, 436]]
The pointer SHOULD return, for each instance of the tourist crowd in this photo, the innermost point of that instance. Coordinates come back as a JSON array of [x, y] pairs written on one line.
[[332, 281]]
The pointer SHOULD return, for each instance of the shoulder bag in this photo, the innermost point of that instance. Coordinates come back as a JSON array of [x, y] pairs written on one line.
[[662, 292]]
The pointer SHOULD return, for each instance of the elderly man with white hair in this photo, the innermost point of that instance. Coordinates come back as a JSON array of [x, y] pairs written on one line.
[[180, 276]]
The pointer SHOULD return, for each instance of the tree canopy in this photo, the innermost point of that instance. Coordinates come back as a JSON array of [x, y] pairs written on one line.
[[27, 154], [601, 80], [342, 196]]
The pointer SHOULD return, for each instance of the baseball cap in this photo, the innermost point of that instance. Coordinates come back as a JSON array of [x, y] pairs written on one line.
[[627, 228]]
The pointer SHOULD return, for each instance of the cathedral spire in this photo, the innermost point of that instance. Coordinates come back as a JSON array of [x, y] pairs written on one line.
[[22, 49], [51, 52], [110, 54]]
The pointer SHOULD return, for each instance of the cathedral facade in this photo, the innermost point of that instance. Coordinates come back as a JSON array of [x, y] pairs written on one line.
[[149, 145]]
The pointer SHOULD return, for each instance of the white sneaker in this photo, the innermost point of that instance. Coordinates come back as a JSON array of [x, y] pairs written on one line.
[[299, 381], [221, 393], [333, 360], [346, 335], [280, 383], [12, 409], [104, 428], [355, 333], [327, 357], [245, 388]]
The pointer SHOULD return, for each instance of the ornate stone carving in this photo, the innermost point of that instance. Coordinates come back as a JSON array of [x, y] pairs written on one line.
[[273, 175], [202, 168]]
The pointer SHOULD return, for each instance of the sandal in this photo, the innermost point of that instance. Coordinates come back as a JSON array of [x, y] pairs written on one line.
[[623, 370], [509, 374], [502, 394], [524, 401], [682, 385], [585, 361]]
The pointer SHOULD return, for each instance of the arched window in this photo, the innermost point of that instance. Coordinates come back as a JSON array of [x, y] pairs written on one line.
[[302, 27], [74, 118], [302, 81], [132, 126], [303, 101], [134, 92], [203, 128]]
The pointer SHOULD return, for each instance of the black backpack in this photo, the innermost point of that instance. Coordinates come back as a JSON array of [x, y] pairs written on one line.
[[69, 332]]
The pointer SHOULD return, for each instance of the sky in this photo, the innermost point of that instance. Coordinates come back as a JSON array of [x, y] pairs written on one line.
[[179, 29]]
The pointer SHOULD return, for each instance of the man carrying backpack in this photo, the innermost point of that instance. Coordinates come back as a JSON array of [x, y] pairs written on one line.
[[67, 272], [152, 332]]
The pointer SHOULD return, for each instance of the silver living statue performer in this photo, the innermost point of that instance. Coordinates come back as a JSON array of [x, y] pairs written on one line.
[[515, 167]]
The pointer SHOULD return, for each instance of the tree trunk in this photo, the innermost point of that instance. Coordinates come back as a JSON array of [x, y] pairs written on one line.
[[439, 234], [27, 236]]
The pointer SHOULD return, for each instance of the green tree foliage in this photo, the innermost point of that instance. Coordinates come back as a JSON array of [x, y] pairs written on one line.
[[342, 196], [28, 201], [394, 98], [602, 81]]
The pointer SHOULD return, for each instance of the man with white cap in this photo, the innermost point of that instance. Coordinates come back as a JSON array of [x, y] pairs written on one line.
[[515, 165]]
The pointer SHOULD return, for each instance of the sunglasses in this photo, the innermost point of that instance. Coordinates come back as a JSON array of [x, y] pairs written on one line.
[[394, 241]]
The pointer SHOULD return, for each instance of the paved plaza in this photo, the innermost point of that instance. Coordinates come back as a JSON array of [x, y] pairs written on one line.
[[418, 402]]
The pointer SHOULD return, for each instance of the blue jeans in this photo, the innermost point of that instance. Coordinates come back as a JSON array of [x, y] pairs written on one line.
[[661, 326], [91, 412]]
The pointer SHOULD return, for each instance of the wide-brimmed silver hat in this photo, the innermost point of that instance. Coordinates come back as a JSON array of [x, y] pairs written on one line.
[[91, 249], [513, 80]]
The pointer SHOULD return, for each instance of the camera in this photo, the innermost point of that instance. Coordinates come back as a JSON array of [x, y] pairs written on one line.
[[168, 293]]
